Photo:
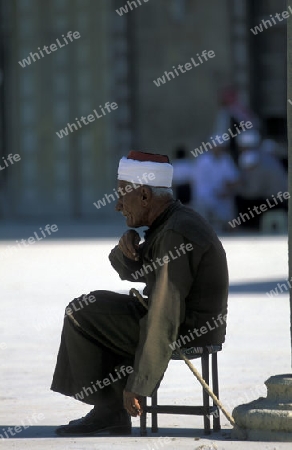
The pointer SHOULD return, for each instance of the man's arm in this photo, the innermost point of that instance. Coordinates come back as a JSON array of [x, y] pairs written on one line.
[[125, 257], [159, 328]]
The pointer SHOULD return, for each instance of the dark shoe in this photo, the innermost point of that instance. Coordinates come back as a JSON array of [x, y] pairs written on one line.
[[117, 423]]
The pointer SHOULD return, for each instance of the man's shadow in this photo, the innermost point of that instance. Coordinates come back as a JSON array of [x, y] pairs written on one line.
[[46, 431], [33, 431]]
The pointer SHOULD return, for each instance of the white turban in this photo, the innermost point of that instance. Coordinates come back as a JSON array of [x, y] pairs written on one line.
[[145, 172]]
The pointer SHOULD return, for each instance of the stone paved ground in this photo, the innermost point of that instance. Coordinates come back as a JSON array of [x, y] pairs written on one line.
[[37, 283]]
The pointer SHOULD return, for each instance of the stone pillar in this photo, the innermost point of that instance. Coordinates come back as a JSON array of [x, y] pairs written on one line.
[[270, 418], [289, 125]]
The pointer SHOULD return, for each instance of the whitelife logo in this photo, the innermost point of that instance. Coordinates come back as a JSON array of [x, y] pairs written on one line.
[[205, 56], [259, 209], [124, 9], [122, 372], [275, 292], [221, 139], [218, 322], [28, 421], [170, 256], [108, 198], [8, 161], [108, 106], [270, 23], [49, 229], [53, 47]]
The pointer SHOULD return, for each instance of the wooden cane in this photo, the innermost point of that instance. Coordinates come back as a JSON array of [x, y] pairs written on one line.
[[201, 380]]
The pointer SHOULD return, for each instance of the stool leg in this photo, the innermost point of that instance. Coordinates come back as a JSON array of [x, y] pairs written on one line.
[[154, 422], [143, 418], [206, 401], [215, 382]]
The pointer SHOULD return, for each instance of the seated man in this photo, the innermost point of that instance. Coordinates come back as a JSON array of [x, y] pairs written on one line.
[[113, 350]]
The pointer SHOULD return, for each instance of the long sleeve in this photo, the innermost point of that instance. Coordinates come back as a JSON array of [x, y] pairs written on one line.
[[159, 328], [127, 268]]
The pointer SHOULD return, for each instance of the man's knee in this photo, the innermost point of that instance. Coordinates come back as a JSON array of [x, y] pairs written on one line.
[[102, 303], [79, 303]]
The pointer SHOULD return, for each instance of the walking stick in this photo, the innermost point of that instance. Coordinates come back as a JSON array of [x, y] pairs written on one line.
[[192, 368]]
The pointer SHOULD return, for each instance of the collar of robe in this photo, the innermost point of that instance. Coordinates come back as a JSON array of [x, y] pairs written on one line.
[[162, 218]]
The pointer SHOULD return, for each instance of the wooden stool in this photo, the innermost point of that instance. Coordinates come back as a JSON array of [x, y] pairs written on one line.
[[203, 410]]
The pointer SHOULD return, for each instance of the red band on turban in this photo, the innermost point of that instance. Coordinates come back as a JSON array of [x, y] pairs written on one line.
[[141, 156]]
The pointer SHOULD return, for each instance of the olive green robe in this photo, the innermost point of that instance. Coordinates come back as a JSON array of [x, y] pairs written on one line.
[[183, 264]]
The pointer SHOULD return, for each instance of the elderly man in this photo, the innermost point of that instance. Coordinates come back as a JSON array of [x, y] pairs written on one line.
[[113, 350]]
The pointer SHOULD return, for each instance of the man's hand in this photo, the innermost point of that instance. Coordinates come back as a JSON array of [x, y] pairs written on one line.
[[132, 403], [129, 244]]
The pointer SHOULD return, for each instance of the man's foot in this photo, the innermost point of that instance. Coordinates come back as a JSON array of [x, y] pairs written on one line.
[[118, 423]]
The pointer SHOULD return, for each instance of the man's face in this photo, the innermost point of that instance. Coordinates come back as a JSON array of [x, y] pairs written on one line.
[[132, 204]]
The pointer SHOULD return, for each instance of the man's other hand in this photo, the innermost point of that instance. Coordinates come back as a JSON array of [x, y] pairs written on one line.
[[129, 244], [132, 403]]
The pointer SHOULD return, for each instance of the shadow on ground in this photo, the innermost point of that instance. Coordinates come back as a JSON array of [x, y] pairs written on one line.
[[260, 287], [37, 432]]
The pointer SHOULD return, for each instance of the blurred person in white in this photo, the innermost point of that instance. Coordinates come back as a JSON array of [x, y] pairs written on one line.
[[277, 148], [182, 176], [262, 176], [215, 180], [231, 112]]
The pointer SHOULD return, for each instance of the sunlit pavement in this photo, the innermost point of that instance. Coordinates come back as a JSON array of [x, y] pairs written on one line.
[[38, 281]]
